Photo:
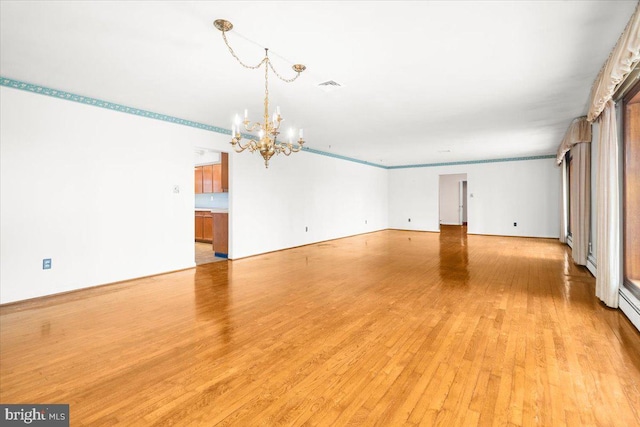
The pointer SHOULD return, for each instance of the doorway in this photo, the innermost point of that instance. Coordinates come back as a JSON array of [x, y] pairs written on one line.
[[453, 200], [211, 204], [463, 202]]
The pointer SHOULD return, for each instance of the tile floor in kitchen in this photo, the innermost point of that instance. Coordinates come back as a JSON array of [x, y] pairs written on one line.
[[205, 254]]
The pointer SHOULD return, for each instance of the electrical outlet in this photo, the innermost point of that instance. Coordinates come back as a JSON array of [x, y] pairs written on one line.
[[176, 189], [46, 264], [365, 221], [515, 224], [306, 229], [409, 219]]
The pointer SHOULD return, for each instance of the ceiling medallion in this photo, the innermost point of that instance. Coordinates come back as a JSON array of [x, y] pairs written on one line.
[[269, 129]]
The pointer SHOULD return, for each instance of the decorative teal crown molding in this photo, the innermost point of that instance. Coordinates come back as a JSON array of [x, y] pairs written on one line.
[[338, 156], [16, 84], [473, 162], [60, 94]]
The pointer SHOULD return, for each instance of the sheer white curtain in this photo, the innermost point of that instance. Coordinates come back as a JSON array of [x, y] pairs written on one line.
[[580, 181], [563, 203], [578, 133], [608, 241], [624, 56]]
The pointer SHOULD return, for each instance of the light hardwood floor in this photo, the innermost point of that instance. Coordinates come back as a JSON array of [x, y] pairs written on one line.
[[389, 328]]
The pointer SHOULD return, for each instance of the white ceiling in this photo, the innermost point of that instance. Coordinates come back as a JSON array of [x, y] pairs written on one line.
[[481, 80]]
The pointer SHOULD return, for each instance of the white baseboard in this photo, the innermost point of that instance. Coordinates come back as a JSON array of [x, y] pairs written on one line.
[[630, 306], [591, 264]]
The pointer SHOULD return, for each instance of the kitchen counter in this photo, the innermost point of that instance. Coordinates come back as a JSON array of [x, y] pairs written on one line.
[[212, 210]]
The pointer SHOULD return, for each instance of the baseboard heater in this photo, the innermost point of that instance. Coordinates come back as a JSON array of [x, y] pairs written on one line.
[[630, 306]]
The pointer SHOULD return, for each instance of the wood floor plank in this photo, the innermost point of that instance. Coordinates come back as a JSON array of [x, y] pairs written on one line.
[[388, 328]]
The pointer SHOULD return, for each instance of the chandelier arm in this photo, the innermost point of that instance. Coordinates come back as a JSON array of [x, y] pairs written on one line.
[[279, 76], [288, 147], [254, 127], [240, 148], [253, 67], [285, 148], [296, 148]]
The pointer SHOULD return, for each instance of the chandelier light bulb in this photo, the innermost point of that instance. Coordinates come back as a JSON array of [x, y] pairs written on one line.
[[301, 134], [246, 114]]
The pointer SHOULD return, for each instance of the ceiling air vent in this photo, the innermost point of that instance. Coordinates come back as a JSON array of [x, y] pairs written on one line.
[[329, 85]]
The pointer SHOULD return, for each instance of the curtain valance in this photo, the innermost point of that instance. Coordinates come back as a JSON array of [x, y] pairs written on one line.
[[579, 131], [621, 61]]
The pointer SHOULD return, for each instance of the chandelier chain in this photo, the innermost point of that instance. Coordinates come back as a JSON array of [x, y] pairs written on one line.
[[224, 36], [253, 67], [279, 76], [266, 86]]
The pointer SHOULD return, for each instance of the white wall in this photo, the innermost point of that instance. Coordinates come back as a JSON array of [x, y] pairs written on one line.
[[331, 198], [205, 157], [499, 194], [93, 190], [449, 198]]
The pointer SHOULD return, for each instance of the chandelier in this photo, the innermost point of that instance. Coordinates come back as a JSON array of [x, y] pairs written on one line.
[[267, 143]]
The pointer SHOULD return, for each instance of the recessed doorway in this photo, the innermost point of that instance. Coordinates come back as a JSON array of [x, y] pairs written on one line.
[[211, 203], [453, 199]]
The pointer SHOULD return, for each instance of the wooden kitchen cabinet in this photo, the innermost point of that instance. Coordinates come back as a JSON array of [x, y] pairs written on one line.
[[207, 228], [207, 179], [198, 179], [203, 226], [224, 171], [221, 234], [216, 175], [211, 178], [199, 227]]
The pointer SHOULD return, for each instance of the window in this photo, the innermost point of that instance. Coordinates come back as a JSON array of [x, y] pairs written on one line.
[[568, 171], [631, 196]]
